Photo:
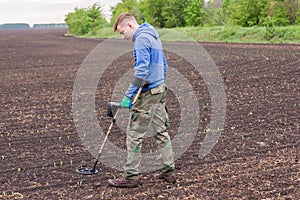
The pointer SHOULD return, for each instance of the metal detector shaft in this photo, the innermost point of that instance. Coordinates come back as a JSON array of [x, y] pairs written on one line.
[[110, 127], [137, 95], [90, 171], [104, 141]]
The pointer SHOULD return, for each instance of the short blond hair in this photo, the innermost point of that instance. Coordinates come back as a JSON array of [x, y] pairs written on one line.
[[121, 18]]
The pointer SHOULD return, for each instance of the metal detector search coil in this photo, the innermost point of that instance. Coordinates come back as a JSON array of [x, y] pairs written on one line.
[[87, 171]]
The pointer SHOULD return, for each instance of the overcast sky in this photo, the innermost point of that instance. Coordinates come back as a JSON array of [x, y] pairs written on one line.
[[45, 11]]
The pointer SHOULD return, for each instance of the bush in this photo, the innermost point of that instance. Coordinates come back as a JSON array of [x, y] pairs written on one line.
[[271, 30], [83, 21]]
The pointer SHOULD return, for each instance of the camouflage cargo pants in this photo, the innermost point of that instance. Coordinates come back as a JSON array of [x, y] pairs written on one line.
[[149, 114]]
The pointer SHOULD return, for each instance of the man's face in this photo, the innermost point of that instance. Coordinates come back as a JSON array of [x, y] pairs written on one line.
[[126, 30]]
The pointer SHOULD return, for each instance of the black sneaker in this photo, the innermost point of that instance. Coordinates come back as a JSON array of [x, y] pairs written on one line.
[[123, 182], [167, 178]]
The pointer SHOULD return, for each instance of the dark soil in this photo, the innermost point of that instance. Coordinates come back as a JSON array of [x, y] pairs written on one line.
[[256, 157]]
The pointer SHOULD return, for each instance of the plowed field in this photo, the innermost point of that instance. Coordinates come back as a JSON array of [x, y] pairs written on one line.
[[256, 157]]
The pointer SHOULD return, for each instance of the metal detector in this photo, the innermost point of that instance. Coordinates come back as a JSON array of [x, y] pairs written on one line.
[[90, 171], [112, 111]]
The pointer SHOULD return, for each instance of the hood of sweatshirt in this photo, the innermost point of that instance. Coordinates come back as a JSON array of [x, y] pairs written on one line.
[[146, 28]]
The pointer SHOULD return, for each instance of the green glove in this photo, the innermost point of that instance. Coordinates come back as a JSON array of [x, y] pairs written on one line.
[[126, 103]]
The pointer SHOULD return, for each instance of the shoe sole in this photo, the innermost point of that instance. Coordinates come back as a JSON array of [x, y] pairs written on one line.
[[165, 179], [122, 186]]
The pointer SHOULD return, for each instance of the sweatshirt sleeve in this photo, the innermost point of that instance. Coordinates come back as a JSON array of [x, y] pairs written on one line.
[[142, 61], [165, 67]]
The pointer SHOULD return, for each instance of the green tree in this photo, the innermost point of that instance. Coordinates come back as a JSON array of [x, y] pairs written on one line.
[[276, 13], [297, 14], [129, 6], [83, 21], [173, 13], [194, 13], [226, 8], [213, 13], [244, 12], [293, 10], [259, 12], [151, 11], [168, 13]]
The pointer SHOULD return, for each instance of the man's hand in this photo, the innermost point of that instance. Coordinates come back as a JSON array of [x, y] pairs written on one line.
[[126, 103]]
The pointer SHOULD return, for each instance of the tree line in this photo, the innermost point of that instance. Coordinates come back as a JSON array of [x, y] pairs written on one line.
[[181, 13]]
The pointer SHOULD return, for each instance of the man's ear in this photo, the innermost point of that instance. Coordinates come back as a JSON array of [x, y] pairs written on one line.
[[129, 24]]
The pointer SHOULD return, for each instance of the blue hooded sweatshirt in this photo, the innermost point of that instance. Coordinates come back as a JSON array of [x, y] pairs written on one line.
[[150, 61]]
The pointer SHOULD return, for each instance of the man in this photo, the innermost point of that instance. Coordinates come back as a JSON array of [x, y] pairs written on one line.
[[149, 111]]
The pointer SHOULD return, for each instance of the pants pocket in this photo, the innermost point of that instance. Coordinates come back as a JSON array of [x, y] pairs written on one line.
[[139, 121], [157, 90], [160, 119]]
